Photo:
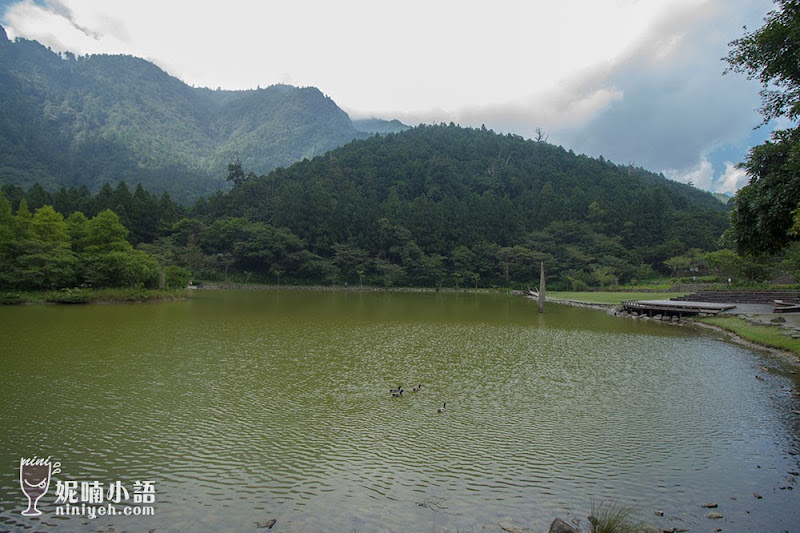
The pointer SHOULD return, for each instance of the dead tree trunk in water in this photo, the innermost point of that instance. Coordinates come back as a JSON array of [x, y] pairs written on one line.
[[541, 290]]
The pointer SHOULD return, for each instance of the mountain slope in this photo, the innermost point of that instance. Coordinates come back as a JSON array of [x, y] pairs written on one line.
[[441, 193], [379, 126], [96, 119]]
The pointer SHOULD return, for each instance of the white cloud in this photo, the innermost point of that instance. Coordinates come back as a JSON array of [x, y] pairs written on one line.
[[636, 81], [370, 56], [700, 175], [703, 176], [677, 109], [55, 26], [733, 179]]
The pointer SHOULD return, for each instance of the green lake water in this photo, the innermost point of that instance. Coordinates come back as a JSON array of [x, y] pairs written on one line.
[[246, 406]]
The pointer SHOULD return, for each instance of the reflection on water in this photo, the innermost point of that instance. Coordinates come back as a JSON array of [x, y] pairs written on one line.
[[247, 406]]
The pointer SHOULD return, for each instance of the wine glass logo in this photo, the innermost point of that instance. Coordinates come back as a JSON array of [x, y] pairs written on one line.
[[34, 479]]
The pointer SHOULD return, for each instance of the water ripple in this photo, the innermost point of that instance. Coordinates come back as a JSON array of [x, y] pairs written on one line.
[[283, 408]]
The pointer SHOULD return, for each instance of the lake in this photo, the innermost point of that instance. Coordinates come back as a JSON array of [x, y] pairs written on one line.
[[233, 408]]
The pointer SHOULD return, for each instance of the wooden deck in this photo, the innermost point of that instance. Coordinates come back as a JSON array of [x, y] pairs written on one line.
[[786, 307], [672, 307]]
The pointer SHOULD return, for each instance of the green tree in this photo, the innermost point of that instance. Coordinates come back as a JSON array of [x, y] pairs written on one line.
[[724, 263], [109, 259], [176, 277], [105, 233], [235, 173], [678, 264], [22, 221], [44, 260], [77, 228], [6, 225], [351, 260], [761, 219]]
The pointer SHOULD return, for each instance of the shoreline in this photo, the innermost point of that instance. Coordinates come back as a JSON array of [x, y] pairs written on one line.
[[731, 336], [92, 296]]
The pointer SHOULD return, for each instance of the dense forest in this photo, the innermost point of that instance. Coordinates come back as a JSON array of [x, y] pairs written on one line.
[[431, 206], [44, 251], [90, 120], [450, 205], [427, 206]]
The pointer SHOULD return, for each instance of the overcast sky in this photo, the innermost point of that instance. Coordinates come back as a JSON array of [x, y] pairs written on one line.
[[637, 81]]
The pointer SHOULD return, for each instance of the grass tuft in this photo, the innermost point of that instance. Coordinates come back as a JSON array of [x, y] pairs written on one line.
[[609, 517]]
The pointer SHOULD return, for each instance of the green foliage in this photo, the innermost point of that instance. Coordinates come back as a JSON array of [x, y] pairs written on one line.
[[35, 251], [176, 277], [724, 263], [12, 298], [43, 251], [762, 219], [101, 119], [433, 206], [69, 296], [771, 54], [763, 216], [81, 295], [445, 205]]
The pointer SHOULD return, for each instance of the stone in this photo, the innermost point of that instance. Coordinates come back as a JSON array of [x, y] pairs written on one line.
[[266, 524], [505, 526], [658, 513], [778, 320], [709, 506], [559, 526], [714, 515]]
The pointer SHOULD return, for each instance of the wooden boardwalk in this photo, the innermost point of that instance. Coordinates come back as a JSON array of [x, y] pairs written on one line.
[[672, 307]]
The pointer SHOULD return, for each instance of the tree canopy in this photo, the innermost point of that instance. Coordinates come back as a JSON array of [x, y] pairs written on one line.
[[43, 251], [457, 206], [763, 213]]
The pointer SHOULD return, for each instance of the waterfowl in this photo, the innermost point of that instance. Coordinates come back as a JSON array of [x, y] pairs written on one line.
[[442, 408], [417, 388], [398, 393], [398, 389]]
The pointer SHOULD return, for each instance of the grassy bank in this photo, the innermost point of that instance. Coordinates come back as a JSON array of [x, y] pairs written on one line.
[[610, 298], [769, 336], [85, 296]]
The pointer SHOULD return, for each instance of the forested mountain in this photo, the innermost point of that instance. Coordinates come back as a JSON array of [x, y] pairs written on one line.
[[71, 121], [380, 126], [427, 206], [431, 206], [446, 205]]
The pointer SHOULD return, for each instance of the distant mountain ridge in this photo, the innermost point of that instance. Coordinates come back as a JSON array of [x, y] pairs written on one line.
[[67, 120], [380, 126]]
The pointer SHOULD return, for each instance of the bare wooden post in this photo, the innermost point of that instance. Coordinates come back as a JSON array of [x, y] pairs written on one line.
[[541, 290]]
